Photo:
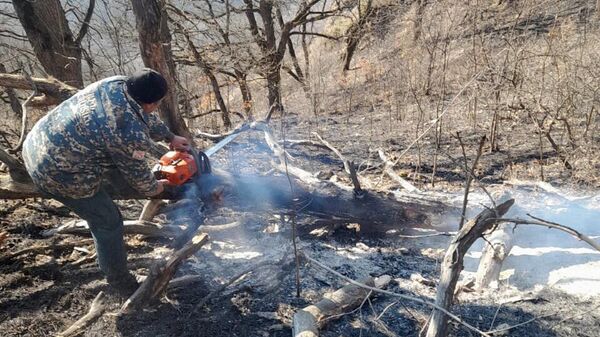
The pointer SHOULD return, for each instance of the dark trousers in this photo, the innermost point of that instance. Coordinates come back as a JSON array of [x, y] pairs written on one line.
[[106, 224]]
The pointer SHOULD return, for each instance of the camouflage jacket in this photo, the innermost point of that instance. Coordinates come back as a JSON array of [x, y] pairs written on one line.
[[98, 129]]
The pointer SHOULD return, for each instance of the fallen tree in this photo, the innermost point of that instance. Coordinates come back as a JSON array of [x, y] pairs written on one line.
[[295, 190], [268, 193]]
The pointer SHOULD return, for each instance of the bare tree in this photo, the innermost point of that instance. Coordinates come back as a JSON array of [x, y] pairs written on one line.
[[357, 30], [272, 44]]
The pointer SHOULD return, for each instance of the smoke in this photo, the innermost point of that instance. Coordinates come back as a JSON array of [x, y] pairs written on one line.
[[238, 239]]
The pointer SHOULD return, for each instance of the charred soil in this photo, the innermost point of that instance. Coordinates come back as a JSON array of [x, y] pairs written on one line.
[[44, 291]]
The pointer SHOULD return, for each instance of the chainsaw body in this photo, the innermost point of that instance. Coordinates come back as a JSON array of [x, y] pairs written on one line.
[[176, 166]]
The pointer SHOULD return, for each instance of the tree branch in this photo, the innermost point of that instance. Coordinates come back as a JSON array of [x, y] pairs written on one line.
[[330, 37], [24, 114], [546, 223], [49, 86], [86, 23]]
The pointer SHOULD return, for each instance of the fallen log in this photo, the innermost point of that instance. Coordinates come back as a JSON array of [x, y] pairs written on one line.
[[452, 264], [96, 310], [308, 321], [305, 193], [374, 212], [160, 275], [321, 199], [146, 228]]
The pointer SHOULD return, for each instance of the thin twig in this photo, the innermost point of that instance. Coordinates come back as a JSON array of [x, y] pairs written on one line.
[[494, 332], [425, 235], [19, 145], [495, 316], [386, 309], [575, 315], [545, 223]]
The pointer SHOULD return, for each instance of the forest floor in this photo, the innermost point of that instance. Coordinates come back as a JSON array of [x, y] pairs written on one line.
[[42, 294]]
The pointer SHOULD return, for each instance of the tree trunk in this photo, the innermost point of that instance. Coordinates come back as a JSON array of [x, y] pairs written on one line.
[[155, 46], [246, 93], [356, 32], [418, 20], [208, 71], [48, 32], [452, 264], [274, 93], [496, 250]]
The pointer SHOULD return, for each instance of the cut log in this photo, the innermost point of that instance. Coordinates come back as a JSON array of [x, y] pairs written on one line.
[[452, 264], [147, 228], [161, 273], [96, 310], [495, 250], [309, 320]]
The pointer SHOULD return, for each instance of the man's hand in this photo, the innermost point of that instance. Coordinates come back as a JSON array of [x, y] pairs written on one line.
[[161, 186], [180, 143]]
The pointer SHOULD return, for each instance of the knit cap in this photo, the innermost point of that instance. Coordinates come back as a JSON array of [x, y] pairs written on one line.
[[147, 86]]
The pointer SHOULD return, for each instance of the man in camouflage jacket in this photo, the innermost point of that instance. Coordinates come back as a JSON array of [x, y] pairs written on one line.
[[107, 125]]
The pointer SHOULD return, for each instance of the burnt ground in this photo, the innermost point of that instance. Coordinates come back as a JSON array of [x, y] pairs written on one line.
[[43, 293]]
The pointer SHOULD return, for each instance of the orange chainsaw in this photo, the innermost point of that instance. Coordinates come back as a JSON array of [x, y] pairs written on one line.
[[179, 166]]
